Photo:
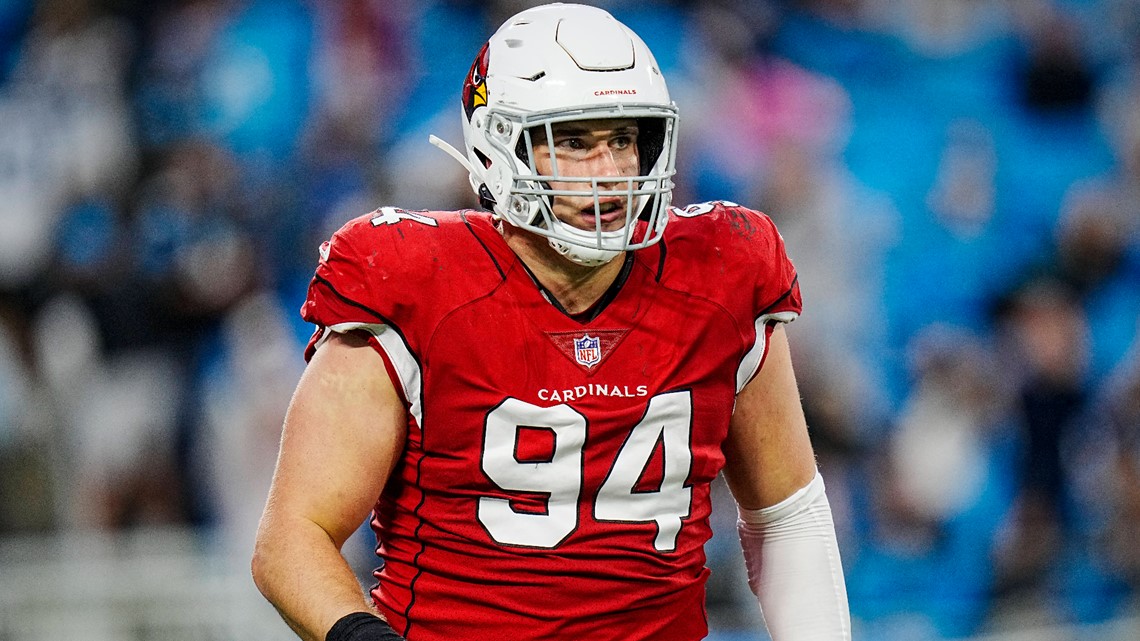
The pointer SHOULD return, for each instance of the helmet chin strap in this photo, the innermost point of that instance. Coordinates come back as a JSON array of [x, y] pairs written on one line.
[[584, 255]]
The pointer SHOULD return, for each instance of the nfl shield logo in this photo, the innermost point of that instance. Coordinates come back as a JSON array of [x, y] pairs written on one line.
[[588, 350]]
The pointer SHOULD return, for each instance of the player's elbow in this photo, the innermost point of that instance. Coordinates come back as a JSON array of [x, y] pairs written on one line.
[[257, 567], [262, 561]]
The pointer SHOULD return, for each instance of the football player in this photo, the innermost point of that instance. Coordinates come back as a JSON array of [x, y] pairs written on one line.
[[533, 401]]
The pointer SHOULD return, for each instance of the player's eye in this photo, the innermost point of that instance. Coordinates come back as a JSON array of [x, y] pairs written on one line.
[[624, 141], [571, 143]]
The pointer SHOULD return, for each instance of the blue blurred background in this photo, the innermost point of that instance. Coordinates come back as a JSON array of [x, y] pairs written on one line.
[[958, 182]]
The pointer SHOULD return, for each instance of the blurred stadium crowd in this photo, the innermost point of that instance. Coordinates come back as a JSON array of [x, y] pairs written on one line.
[[958, 182]]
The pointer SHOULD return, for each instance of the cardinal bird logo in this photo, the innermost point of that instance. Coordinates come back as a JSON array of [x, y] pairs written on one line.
[[475, 86]]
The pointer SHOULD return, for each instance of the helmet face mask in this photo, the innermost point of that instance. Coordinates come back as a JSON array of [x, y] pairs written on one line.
[[560, 64]]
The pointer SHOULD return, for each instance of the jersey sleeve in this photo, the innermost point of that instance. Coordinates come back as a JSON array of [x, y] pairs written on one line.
[[776, 289], [735, 255], [338, 297], [777, 292]]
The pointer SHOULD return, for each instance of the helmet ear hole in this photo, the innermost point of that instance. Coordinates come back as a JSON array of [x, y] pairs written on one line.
[[483, 158], [522, 150]]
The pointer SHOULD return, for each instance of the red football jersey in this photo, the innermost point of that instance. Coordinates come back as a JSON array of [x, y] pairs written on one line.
[[555, 483]]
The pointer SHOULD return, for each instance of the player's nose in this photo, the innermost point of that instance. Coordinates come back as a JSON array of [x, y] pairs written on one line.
[[610, 162]]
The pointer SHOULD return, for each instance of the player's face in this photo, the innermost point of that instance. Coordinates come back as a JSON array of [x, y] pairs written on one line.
[[605, 148]]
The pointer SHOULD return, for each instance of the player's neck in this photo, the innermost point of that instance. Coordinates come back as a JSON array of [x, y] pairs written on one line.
[[576, 287]]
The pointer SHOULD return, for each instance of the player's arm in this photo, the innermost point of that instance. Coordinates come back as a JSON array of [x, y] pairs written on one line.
[[785, 524], [343, 434]]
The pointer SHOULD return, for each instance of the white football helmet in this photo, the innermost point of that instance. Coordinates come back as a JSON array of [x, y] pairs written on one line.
[[558, 63]]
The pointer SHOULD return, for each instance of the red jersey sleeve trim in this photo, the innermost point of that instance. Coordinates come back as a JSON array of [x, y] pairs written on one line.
[[789, 296]]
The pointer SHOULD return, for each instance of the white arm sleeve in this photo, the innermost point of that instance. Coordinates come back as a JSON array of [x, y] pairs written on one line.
[[794, 568]]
